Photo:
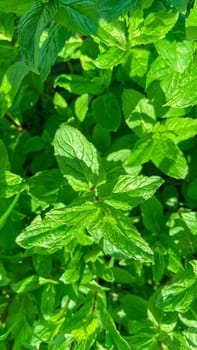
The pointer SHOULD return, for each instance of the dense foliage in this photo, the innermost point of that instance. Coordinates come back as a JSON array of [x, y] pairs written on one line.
[[98, 176]]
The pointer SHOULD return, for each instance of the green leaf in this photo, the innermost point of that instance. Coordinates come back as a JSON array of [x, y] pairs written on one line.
[[109, 324], [78, 159], [48, 300], [129, 191], [51, 187], [168, 158], [116, 228], [4, 160], [45, 234], [57, 228], [138, 112], [27, 284], [191, 26], [15, 6], [74, 269], [79, 85], [107, 112], [10, 85], [179, 295], [78, 16], [31, 26], [142, 151], [152, 214], [55, 41], [136, 66], [112, 9]]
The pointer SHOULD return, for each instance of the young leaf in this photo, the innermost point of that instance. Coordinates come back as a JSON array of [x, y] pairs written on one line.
[[78, 159]]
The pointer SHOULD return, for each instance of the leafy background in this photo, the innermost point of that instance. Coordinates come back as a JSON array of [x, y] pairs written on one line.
[[98, 177]]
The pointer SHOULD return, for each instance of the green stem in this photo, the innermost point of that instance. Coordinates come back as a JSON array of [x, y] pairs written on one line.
[[4, 217]]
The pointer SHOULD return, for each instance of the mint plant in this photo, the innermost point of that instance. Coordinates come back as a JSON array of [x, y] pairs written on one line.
[[98, 179]]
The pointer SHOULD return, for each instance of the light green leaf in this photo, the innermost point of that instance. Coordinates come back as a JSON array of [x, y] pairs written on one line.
[[113, 34], [10, 85], [184, 91], [48, 234], [81, 106], [78, 84], [168, 158], [167, 87], [179, 295], [116, 228], [10, 184], [178, 55], [139, 113], [153, 27], [130, 191], [191, 336], [191, 24], [190, 219], [165, 321], [107, 112], [178, 129], [78, 159]]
